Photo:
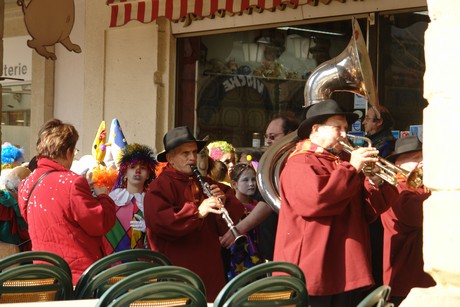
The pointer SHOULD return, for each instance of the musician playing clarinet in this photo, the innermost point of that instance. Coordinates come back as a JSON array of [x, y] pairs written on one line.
[[327, 202], [182, 221]]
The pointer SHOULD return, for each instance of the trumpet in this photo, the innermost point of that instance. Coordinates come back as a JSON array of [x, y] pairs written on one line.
[[239, 239], [387, 170]]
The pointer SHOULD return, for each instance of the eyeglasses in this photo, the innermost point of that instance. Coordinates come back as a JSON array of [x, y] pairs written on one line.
[[272, 136], [373, 119]]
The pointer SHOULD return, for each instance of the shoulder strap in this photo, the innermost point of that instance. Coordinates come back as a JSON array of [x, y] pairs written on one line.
[[36, 182]]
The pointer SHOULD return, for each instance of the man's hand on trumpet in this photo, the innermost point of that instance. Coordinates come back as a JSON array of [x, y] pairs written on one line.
[[363, 156]]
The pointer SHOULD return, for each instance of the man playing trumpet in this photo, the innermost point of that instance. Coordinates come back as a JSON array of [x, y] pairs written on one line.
[[182, 222], [326, 204], [403, 227]]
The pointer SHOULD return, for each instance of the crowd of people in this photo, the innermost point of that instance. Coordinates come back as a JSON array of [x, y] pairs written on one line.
[[329, 201]]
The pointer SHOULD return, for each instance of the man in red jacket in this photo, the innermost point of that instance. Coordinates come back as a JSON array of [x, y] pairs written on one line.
[[403, 227], [182, 222], [326, 204]]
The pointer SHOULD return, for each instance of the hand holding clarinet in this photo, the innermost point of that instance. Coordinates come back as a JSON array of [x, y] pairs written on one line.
[[215, 204]]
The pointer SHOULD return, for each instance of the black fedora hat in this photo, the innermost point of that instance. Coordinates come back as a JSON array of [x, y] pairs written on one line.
[[405, 145], [176, 137], [321, 111]]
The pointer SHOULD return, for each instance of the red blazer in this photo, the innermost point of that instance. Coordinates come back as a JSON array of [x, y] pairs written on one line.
[[64, 217], [174, 229], [403, 242], [323, 221]]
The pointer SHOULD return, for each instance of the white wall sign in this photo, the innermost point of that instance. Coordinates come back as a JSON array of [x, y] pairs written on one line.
[[17, 59]]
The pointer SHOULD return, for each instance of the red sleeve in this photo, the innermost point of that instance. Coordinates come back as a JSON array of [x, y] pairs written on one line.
[[318, 188], [95, 215], [378, 200], [166, 211], [408, 206]]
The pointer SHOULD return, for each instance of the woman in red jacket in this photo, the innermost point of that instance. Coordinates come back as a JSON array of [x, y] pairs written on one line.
[[63, 216]]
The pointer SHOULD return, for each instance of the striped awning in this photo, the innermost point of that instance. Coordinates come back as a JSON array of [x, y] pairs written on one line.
[[145, 11]]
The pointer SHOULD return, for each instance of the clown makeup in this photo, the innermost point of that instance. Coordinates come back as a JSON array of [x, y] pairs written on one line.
[[246, 184], [137, 174]]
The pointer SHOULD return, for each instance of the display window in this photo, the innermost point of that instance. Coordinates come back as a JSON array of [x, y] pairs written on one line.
[[230, 85]]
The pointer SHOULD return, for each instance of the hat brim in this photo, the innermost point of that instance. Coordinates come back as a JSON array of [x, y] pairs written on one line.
[[392, 158], [304, 129], [161, 157]]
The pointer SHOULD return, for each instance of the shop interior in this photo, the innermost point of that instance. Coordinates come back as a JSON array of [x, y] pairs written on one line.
[[230, 85]]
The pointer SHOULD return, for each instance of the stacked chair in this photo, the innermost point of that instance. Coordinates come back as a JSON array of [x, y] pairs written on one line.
[[258, 286], [109, 270], [158, 286], [22, 279], [377, 298]]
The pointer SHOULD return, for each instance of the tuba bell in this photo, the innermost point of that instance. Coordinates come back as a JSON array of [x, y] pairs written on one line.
[[350, 71]]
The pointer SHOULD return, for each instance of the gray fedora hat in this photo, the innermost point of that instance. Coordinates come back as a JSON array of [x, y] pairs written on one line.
[[176, 137], [405, 145], [320, 112]]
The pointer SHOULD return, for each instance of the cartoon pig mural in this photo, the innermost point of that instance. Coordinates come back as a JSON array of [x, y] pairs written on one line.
[[49, 22]]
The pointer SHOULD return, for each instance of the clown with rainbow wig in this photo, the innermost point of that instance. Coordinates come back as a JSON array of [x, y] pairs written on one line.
[[137, 169]]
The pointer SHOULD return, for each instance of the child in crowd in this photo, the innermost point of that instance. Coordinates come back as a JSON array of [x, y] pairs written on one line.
[[137, 170], [243, 181]]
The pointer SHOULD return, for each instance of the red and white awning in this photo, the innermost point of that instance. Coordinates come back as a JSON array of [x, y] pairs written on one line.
[[145, 11]]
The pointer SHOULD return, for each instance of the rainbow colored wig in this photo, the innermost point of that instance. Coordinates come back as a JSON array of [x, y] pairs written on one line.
[[134, 154]]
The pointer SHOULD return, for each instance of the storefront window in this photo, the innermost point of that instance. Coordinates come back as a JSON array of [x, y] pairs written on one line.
[[240, 80], [16, 102], [230, 85], [402, 66]]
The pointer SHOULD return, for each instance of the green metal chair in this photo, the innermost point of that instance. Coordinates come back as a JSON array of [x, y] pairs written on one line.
[[255, 294], [261, 271], [104, 280], [165, 293], [35, 282], [117, 258], [33, 256], [179, 275], [377, 298]]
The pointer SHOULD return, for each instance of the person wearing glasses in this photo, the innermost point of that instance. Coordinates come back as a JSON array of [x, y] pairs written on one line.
[[377, 126], [58, 205], [282, 124], [327, 201]]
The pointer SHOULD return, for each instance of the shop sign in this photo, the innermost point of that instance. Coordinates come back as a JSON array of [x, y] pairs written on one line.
[[17, 60]]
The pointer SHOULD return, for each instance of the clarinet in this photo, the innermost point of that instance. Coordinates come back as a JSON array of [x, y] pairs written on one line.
[[239, 239]]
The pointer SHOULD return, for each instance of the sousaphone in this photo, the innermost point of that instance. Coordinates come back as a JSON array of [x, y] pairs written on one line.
[[350, 71]]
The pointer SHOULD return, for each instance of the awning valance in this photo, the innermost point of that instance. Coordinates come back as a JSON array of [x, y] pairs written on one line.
[[145, 11]]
